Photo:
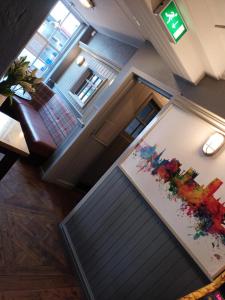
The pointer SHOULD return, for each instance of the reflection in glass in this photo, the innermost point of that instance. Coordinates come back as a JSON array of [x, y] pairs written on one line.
[[143, 117], [58, 40], [49, 55], [70, 25], [59, 12], [47, 28]]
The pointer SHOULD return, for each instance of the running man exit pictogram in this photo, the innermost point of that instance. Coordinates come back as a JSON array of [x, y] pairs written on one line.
[[173, 21]]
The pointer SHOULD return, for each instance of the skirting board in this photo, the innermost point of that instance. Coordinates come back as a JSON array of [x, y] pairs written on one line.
[[77, 267]]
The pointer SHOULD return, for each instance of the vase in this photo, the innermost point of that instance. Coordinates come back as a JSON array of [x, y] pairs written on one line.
[[2, 99]]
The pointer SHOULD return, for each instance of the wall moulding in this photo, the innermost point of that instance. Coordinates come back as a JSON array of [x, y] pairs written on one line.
[[99, 57]]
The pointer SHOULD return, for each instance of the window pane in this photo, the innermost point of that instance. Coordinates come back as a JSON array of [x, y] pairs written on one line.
[[138, 131], [58, 40], [48, 27], [40, 65], [84, 90], [49, 55], [30, 57], [70, 25], [88, 95], [81, 94], [84, 99], [148, 112], [144, 113], [151, 116], [98, 82], [88, 86], [90, 92], [59, 12], [36, 44], [94, 78], [132, 126]]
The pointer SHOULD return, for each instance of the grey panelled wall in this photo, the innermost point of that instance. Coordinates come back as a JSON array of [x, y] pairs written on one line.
[[114, 50], [123, 248]]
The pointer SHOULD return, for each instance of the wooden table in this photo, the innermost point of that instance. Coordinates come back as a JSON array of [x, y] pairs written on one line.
[[12, 143]]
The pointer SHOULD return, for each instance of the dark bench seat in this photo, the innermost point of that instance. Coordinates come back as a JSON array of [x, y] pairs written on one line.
[[46, 120], [38, 137]]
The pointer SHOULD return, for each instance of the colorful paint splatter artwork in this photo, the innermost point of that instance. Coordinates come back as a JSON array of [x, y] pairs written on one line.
[[197, 200]]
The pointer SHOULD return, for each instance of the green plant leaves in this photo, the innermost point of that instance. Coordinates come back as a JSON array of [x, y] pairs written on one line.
[[19, 73]]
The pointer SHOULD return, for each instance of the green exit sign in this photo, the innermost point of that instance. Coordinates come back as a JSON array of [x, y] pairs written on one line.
[[173, 21]]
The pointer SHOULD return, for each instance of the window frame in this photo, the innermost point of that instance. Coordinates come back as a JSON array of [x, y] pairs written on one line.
[[49, 44], [81, 82], [129, 136]]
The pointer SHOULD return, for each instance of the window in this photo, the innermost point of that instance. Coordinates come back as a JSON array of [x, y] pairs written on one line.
[[141, 120], [86, 87], [51, 38]]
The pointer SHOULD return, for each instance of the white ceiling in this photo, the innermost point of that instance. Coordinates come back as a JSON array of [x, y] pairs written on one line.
[[109, 17]]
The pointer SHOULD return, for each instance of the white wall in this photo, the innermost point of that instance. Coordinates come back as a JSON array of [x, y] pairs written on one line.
[[204, 15], [183, 58], [199, 51], [218, 12]]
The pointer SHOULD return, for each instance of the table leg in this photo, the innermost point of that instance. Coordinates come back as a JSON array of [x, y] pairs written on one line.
[[7, 162]]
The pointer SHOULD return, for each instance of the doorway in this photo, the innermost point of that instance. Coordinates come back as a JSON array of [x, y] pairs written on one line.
[[132, 113]]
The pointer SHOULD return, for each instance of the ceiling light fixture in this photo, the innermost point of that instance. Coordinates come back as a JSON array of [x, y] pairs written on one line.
[[87, 3]]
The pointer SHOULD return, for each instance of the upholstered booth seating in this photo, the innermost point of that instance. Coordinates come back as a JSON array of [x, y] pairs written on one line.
[[46, 120]]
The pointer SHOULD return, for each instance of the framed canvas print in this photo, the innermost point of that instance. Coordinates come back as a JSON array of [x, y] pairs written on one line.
[[182, 185]]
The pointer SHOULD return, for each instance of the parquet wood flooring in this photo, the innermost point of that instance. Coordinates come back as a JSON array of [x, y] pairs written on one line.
[[33, 265]]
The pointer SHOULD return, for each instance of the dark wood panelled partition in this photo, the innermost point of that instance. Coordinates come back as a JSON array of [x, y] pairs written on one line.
[[122, 249]]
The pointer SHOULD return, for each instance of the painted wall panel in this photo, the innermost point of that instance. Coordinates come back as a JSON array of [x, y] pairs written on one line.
[[112, 49], [125, 250], [204, 16]]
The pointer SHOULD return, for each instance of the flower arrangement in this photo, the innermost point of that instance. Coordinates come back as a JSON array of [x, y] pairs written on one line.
[[19, 77]]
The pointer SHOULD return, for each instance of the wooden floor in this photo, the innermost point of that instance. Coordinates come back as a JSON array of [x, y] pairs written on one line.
[[32, 261]]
